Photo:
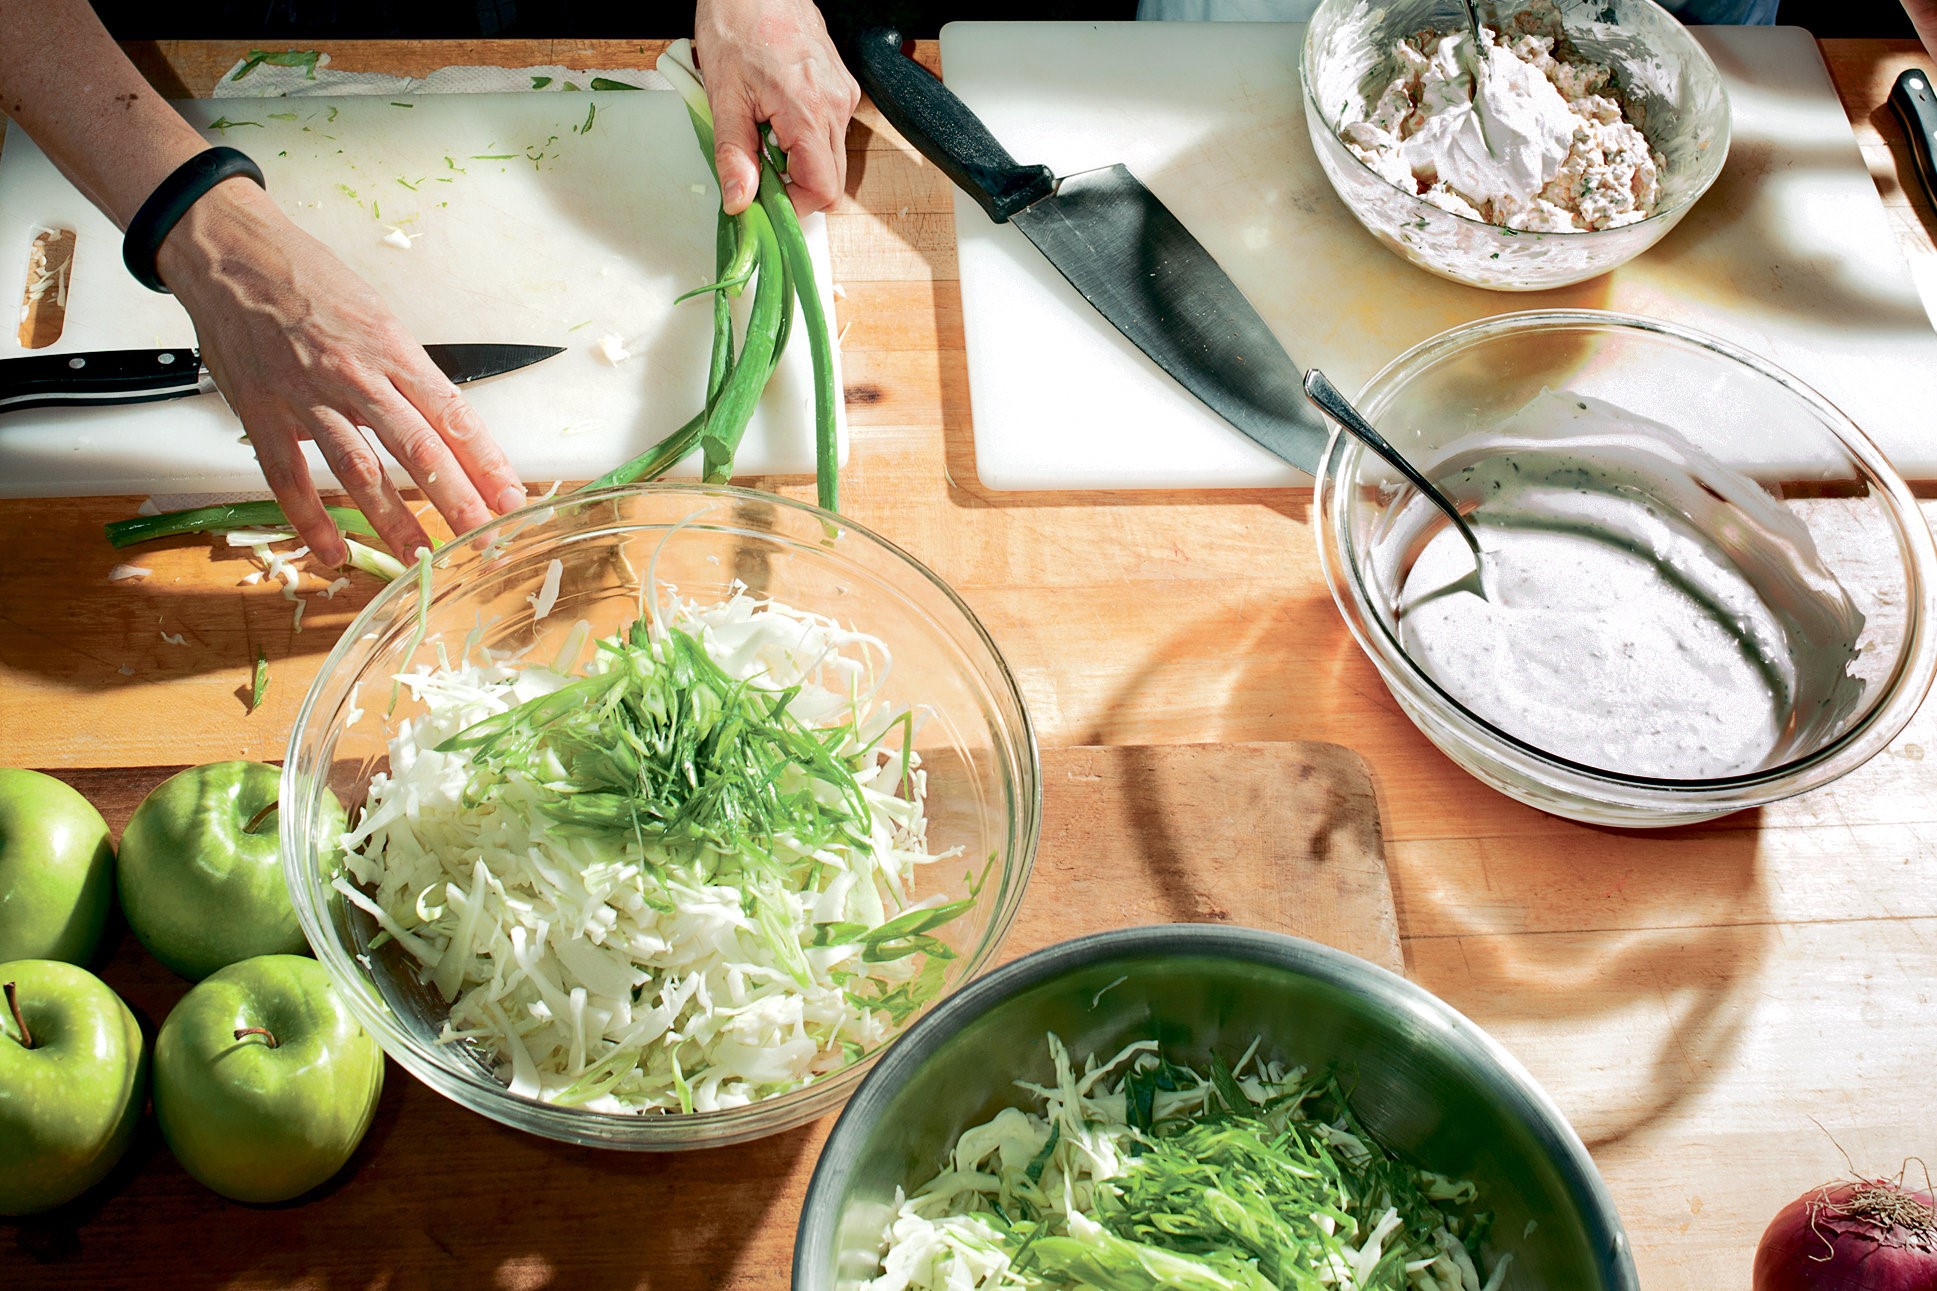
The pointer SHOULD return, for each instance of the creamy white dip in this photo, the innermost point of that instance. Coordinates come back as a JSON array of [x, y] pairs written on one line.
[[1540, 141], [1647, 610]]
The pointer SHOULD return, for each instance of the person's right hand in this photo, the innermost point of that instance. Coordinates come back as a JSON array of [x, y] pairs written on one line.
[[304, 349], [772, 62]]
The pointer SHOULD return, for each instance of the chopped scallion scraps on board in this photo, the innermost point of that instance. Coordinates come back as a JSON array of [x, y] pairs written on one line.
[[303, 58]]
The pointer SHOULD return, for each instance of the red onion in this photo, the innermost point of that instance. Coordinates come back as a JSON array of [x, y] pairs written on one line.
[[1873, 1235]]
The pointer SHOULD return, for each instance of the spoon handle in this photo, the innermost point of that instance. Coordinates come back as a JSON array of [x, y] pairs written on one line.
[[1320, 390]]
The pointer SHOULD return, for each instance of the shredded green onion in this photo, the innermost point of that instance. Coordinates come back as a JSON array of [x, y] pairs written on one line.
[[1145, 1174]]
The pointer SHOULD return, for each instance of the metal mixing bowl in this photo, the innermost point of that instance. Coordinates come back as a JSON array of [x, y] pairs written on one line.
[[1347, 58], [979, 751], [1432, 1085]]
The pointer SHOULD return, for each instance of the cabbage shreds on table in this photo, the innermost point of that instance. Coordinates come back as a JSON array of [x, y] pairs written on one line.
[[682, 880], [1141, 1174]]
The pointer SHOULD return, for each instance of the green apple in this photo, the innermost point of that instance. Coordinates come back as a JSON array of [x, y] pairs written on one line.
[[201, 870], [71, 1087], [56, 870], [264, 1083]]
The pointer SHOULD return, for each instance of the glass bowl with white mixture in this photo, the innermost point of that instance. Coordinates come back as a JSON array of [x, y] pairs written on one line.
[[1702, 589], [789, 801], [1507, 146]]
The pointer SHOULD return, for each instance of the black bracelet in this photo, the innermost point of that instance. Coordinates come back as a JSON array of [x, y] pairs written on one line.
[[170, 201]]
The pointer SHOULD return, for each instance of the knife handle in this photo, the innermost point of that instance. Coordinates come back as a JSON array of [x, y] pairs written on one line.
[[100, 377], [943, 129], [1916, 106]]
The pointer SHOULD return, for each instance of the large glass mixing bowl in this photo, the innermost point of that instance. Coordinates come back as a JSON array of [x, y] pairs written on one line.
[[976, 743], [1789, 443]]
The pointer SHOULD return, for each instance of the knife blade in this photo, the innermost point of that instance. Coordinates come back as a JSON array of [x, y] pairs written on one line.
[[1120, 247], [103, 377], [1916, 107]]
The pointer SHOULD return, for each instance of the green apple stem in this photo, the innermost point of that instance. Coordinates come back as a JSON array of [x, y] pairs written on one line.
[[255, 821], [261, 1031], [13, 1003]]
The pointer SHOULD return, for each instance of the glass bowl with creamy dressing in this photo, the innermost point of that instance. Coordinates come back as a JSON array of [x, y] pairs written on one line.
[[1672, 92], [1702, 589]]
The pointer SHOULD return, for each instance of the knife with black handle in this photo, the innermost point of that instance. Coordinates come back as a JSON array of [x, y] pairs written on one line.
[[943, 129], [1916, 106], [104, 377], [1120, 247]]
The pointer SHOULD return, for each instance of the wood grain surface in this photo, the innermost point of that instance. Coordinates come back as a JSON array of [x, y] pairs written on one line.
[[1721, 1011], [1281, 836]]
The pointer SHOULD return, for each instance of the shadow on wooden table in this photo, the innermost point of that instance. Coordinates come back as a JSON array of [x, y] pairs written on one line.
[[1617, 960]]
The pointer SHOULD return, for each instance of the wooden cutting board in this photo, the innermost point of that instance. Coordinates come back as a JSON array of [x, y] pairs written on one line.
[[1282, 836]]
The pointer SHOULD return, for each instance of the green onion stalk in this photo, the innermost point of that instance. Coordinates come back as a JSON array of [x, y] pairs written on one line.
[[762, 247]]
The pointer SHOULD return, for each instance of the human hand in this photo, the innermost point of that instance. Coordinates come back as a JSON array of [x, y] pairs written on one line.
[[304, 349], [1923, 16], [771, 61]]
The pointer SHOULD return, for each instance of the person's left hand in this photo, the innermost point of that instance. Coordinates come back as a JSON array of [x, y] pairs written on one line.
[[771, 61]]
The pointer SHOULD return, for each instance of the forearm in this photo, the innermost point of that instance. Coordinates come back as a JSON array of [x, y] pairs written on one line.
[[66, 82], [1923, 15]]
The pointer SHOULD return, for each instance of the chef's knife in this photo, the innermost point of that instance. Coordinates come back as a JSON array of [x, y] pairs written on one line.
[[143, 376], [1916, 107], [1120, 247]]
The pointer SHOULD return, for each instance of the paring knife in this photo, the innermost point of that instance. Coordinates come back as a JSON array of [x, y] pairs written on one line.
[[1916, 107], [142, 376], [1120, 247]]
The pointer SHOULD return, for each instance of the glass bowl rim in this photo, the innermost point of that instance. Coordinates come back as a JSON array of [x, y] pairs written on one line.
[[1725, 135], [1903, 691], [645, 1131]]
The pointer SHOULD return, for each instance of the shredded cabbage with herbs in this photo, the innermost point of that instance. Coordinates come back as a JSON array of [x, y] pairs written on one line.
[[680, 880], [1140, 1175]]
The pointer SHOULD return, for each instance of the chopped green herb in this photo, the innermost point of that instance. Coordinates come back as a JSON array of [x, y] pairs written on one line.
[[540, 82], [407, 184], [223, 123], [494, 156], [220, 519], [591, 110], [1222, 1184], [395, 104], [282, 116], [606, 83], [260, 683], [303, 58], [332, 115]]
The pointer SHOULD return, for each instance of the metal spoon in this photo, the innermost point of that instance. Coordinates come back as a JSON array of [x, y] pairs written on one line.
[[1479, 70], [1320, 390]]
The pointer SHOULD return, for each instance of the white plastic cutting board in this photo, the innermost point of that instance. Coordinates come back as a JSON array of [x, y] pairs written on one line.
[[565, 235], [1789, 254]]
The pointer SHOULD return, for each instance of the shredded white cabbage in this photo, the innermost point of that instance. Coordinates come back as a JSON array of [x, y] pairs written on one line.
[[944, 1238], [547, 593], [588, 968]]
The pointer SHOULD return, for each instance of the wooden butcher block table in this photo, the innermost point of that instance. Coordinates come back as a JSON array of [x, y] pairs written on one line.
[[1721, 1011]]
